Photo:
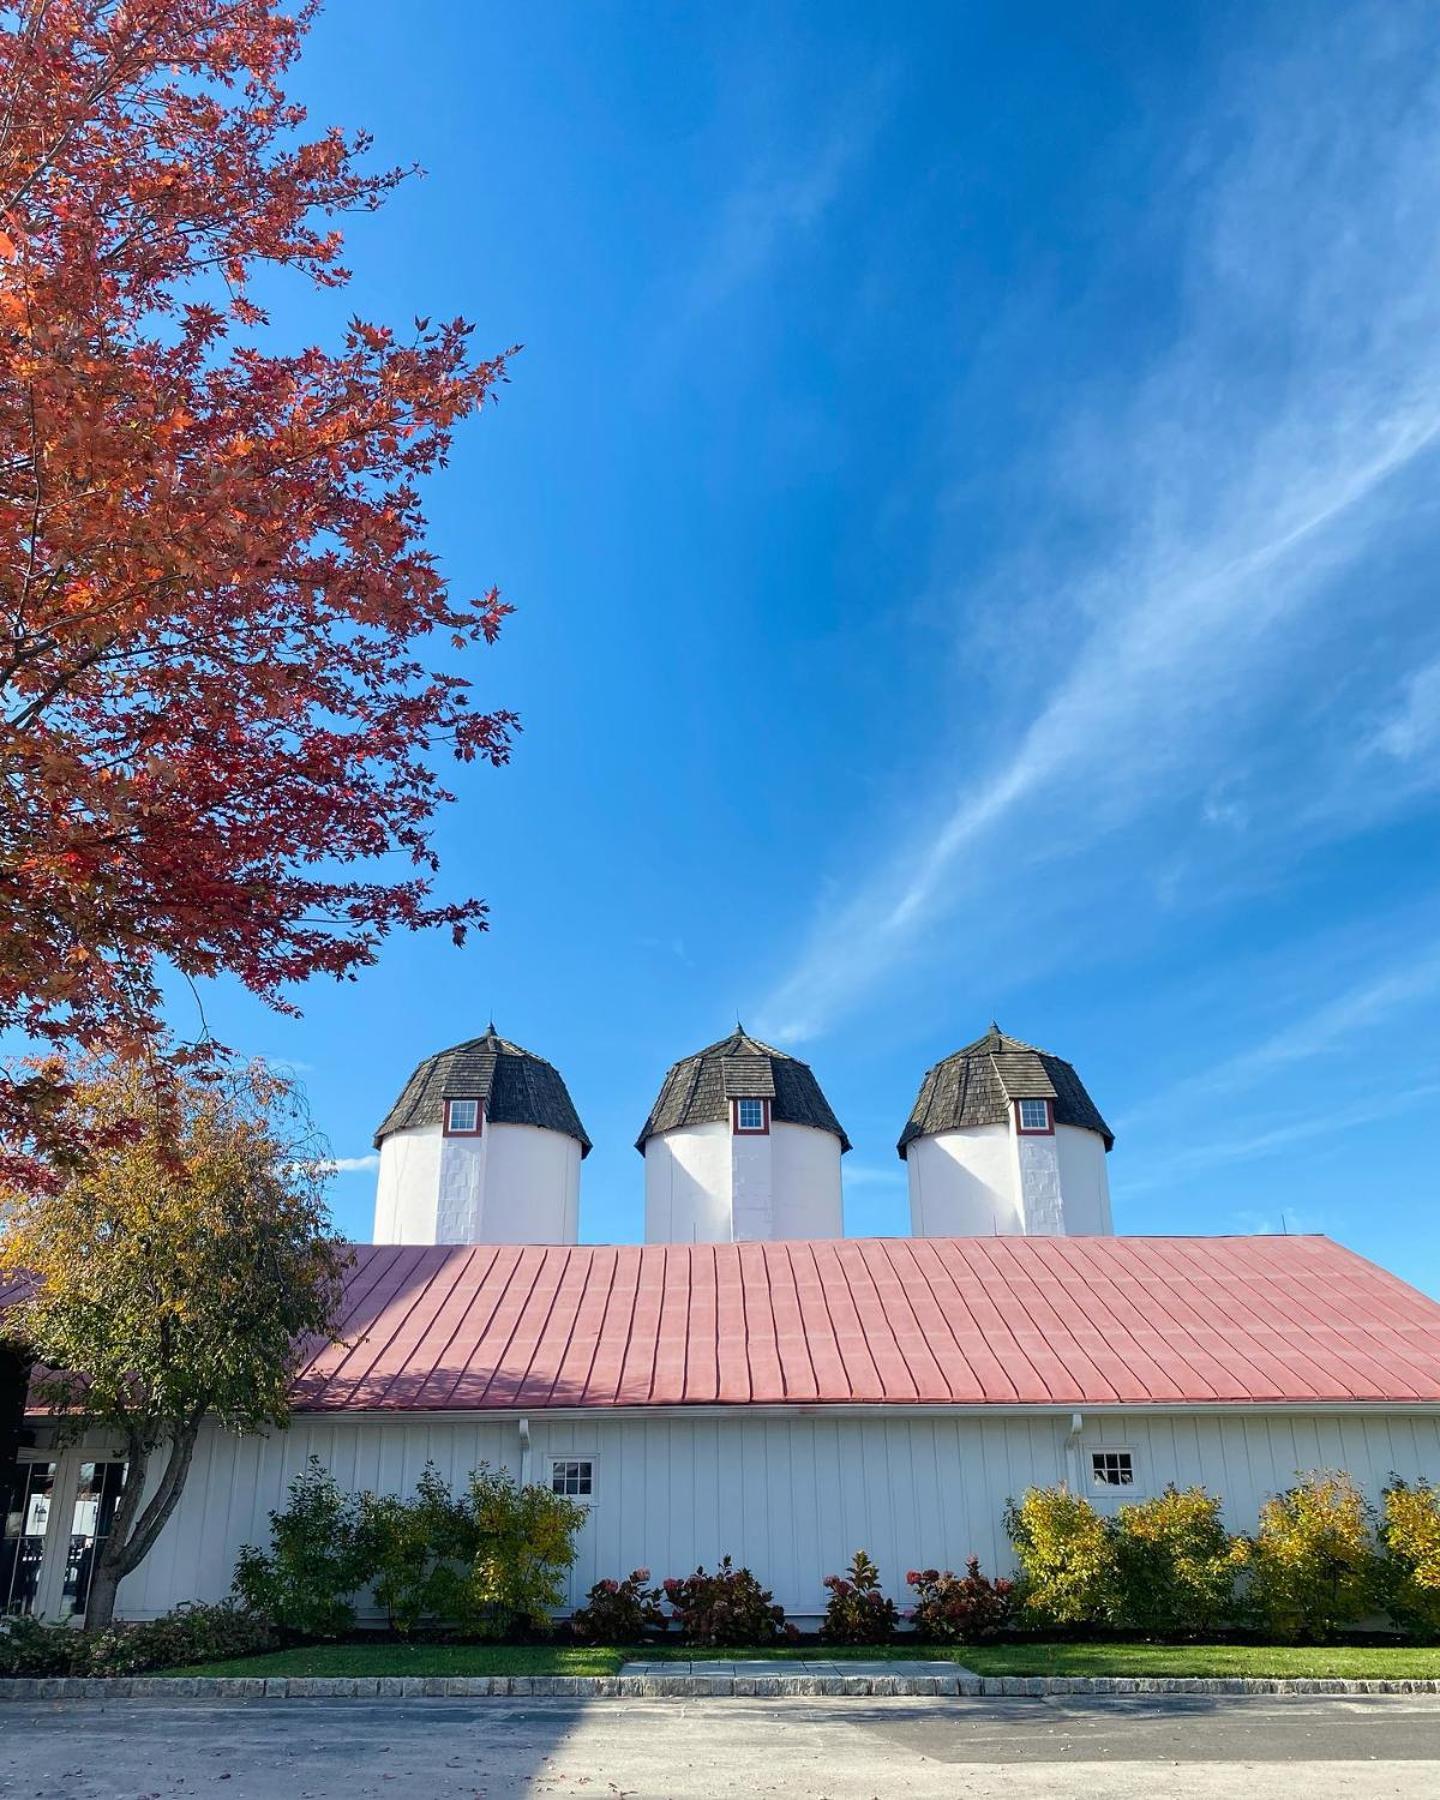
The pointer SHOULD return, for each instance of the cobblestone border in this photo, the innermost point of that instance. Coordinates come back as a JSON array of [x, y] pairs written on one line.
[[623, 1687]]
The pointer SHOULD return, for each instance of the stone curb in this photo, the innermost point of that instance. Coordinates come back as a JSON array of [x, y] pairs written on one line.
[[648, 1687]]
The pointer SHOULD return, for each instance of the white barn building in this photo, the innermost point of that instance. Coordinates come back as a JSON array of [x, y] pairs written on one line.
[[749, 1381]]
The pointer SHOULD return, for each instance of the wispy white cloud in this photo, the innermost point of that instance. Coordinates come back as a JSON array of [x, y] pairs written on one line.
[[1382, 997], [1251, 1145], [1243, 493], [1413, 728], [352, 1165]]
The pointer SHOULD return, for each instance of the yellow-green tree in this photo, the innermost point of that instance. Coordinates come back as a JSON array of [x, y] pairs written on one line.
[[172, 1276]]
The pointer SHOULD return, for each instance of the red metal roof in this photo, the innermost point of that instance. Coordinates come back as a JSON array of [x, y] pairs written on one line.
[[1085, 1321]]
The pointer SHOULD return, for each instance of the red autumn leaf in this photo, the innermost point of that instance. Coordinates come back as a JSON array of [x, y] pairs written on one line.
[[212, 553]]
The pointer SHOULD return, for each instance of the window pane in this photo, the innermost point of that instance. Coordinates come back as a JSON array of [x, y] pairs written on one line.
[[1034, 1115], [27, 1513], [571, 1478], [101, 1484], [751, 1115], [464, 1114]]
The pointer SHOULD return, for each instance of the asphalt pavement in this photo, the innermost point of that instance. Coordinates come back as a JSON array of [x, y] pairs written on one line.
[[1181, 1748]]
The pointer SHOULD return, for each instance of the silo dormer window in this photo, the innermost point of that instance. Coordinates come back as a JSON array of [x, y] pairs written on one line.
[[751, 1117], [462, 1118], [1034, 1116]]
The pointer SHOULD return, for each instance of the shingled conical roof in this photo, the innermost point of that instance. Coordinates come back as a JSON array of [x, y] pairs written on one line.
[[699, 1088], [976, 1086], [518, 1088]]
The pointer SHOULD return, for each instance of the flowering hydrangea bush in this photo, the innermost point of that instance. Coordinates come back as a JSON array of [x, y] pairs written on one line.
[[858, 1612], [960, 1609], [729, 1607], [619, 1612]]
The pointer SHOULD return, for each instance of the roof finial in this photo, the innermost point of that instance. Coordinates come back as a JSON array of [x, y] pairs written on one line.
[[490, 1030], [995, 1027], [738, 1026]]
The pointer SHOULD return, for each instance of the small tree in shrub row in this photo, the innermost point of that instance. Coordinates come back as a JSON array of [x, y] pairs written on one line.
[[481, 1562], [858, 1611], [619, 1612], [960, 1609], [727, 1608], [1317, 1563]]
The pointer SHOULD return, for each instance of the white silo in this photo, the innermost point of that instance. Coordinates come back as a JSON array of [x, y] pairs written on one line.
[[740, 1146], [483, 1147], [1003, 1139]]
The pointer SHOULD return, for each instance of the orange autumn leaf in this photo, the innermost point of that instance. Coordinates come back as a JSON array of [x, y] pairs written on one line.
[[216, 718]]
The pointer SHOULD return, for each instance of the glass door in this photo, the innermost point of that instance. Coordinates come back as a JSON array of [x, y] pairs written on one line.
[[22, 1548], [97, 1494]]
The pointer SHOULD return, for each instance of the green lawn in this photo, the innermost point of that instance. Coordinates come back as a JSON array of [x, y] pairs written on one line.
[[417, 1659], [386, 1658], [1368, 1662]]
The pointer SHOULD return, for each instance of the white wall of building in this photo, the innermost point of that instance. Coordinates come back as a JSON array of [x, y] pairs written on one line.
[[806, 1183], [705, 1184], [793, 1495], [687, 1185], [990, 1180], [514, 1184], [407, 1187], [1084, 1181], [963, 1184]]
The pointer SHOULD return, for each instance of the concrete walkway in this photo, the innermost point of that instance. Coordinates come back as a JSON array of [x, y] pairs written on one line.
[[827, 1667]]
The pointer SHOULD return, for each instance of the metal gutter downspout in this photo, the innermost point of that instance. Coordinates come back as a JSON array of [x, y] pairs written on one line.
[[524, 1453], [1072, 1453]]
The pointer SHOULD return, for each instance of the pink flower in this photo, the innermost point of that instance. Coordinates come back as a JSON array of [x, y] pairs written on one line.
[[912, 1577]]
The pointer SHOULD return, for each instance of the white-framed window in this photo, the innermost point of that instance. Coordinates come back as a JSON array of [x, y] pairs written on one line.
[[1034, 1115], [752, 1116], [1112, 1471], [462, 1118], [573, 1476]]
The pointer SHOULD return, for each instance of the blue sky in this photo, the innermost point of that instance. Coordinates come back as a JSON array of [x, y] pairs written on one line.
[[971, 492]]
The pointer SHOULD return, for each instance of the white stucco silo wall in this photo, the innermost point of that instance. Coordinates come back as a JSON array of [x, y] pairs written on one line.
[[704, 1184], [964, 1184], [532, 1186], [1084, 1182], [805, 1183], [514, 1184], [407, 1186], [687, 1185], [987, 1181]]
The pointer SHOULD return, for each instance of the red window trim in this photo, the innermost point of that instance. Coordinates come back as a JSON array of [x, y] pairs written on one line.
[[479, 1117], [739, 1130], [1045, 1130]]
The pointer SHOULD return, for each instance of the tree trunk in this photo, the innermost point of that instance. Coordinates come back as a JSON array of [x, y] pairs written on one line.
[[132, 1531]]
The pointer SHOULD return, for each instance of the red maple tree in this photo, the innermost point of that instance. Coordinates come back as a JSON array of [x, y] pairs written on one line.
[[213, 574]]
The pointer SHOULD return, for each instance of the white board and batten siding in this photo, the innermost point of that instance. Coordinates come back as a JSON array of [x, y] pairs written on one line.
[[791, 1494]]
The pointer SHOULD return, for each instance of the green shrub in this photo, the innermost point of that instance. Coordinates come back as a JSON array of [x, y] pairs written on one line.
[[1313, 1557], [190, 1634], [727, 1608], [31, 1647], [418, 1552], [194, 1633], [483, 1563], [960, 1609], [858, 1612], [619, 1612], [1409, 1575], [524, 1544], [317, 1562], [1175, 1563], [1067, 1558]]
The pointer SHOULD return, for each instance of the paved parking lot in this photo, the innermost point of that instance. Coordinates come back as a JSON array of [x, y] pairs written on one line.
[[1183, 1749]]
